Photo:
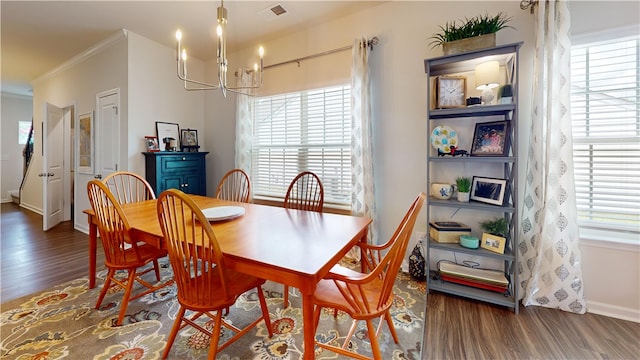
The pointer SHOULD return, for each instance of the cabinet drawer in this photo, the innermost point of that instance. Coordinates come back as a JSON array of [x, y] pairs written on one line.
[[182, 164]]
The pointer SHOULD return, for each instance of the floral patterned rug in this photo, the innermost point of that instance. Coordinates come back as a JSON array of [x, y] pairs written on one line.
[[61, 323]]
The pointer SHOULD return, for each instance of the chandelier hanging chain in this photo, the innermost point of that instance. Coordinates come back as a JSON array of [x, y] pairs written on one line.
[[222, 62]]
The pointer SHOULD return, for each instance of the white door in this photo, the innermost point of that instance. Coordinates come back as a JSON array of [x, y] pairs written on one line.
[[108, 133], [53, 167]]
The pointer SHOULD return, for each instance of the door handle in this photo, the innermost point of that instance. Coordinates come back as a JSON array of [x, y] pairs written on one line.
[[98, 176]]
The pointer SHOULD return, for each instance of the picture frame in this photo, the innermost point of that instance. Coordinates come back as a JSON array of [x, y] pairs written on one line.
[[493, 243], [166, 131], [152, 143], [491, 139], [451, 92], [488, 190], [85, 143], [189, 137]]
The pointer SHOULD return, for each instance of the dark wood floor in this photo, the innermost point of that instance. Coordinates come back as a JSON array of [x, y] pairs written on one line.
[[33, 260]]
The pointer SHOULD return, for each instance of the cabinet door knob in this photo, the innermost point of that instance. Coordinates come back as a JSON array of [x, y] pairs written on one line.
[[184, 158]]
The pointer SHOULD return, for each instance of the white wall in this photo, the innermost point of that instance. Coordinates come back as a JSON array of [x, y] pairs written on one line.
[[76, 83], [399, 108], [156, 94], [15, 108]]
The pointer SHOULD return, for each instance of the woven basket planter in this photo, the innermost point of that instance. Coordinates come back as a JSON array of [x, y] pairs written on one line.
[[469, 44]]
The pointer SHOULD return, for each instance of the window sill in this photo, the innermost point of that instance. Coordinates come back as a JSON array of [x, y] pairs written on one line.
[[328, 208], [610, 239]]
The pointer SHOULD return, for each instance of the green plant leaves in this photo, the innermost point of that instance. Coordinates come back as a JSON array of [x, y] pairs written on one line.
[[470, 27]]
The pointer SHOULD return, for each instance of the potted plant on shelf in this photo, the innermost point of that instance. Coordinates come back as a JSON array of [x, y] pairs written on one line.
[[464, 188], [474, 33], [497, 226]]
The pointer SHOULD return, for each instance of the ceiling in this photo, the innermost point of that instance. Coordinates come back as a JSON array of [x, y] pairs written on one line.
[[38, 36]]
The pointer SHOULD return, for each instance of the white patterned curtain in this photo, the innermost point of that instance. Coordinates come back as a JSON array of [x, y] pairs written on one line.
[[549, 264], [362, 195], [244, 122]]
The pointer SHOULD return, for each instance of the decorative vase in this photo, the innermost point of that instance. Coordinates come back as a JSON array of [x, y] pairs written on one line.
[[469, 44], [463, 196]]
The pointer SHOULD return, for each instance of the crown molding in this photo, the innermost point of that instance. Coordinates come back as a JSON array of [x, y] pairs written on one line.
[[102, 45]]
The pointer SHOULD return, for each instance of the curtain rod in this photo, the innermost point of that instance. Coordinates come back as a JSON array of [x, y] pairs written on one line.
[[370, 43]]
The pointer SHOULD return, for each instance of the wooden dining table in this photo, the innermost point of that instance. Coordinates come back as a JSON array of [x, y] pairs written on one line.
[[287, 246]]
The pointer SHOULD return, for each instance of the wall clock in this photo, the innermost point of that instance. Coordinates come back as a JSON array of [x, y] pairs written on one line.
[[450, 91]]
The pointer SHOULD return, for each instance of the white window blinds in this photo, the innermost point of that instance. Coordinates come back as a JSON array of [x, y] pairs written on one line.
[[605, 106], [303, 131]]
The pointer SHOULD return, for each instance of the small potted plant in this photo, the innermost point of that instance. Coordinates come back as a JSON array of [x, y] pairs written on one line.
[[497, 226], [464, 188], [474, 33]]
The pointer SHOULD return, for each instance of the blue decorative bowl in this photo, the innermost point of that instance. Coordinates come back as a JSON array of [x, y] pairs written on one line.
[[469, 241]]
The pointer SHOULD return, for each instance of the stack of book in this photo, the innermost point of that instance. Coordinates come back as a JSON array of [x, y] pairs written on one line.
[[448, 231], [493, 280]]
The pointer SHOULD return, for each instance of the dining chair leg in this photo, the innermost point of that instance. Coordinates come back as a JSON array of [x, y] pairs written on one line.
[[286, 297], [215, 335], [156, 268], [105, 287], [265, 311], [126, 296], [375, 346], [392, 328], [174, 331]]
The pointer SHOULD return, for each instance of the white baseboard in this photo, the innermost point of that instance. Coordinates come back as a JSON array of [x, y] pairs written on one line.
[[613, 311], [32, 208], [3, 200], [82, 227]]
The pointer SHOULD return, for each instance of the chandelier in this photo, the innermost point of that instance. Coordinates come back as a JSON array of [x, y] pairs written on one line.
[[222, 63]]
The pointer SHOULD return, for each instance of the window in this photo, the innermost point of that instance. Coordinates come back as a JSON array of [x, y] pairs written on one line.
[[605, 106], [308, 130], [24, 129]]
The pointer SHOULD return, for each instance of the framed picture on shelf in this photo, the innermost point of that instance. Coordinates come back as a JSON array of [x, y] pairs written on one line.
[[189, 137], [152, 143], [488, 190], [168, 134], [451, 92], [491, 139], [493, 243]]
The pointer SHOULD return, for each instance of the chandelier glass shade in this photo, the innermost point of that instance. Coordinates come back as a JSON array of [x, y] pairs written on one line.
[[222, 62]]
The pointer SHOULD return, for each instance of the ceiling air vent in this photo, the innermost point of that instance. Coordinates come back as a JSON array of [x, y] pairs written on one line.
[[278, 10], [273, 12]]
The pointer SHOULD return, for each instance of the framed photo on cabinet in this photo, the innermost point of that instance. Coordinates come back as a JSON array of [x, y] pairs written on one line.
[[451, 92]]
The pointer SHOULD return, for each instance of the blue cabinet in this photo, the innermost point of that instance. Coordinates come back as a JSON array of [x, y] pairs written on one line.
[[184, 171]]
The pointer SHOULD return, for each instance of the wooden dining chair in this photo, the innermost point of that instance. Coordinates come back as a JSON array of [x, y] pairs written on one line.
[[234, 186], [121, 253], [305, 192], [205, 285], [367, 296], [129, 187]]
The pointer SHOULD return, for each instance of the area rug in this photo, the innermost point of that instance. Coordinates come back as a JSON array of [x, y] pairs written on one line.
[[61, 323]]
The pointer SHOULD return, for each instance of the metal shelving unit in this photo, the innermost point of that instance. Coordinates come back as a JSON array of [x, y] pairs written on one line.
[[507, 56]]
